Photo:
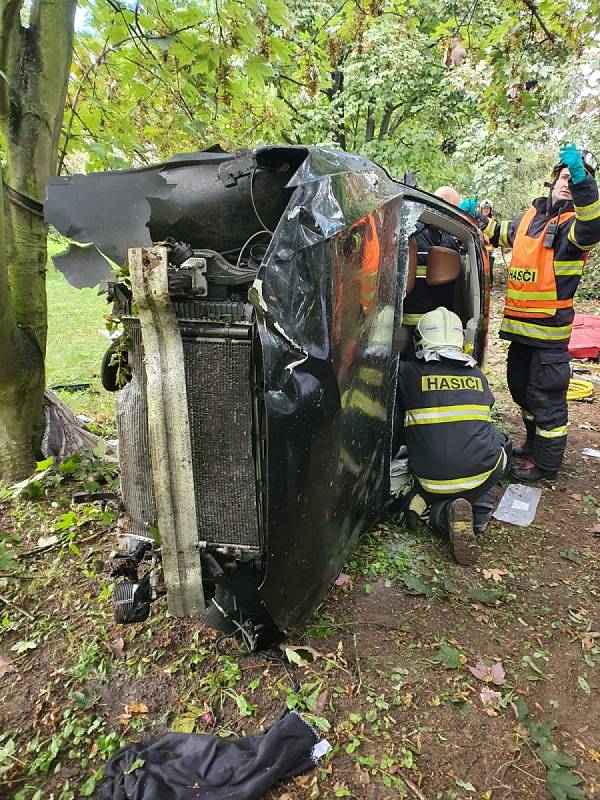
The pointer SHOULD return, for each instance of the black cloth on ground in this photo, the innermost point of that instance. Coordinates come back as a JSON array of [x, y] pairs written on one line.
[[182, 766]]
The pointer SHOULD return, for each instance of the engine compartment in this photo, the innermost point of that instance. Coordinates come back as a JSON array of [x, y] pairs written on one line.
[[286, 269]]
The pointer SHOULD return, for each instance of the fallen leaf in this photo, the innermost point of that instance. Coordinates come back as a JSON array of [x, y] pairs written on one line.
[[343, 579], [184, 723], [5, 666], [495, 574], [571, 555], [489, 674], [321, 702], [47, 541], [575, 497], [481, 595], [117, 646], [139, 762], [301, 656], [593, 755], [414, 585], [583, 684], [135, 707], [450, 657], [589, 640], [490, 698], [498, 674]]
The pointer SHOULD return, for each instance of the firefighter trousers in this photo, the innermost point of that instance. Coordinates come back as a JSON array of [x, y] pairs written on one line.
[[538, 380]]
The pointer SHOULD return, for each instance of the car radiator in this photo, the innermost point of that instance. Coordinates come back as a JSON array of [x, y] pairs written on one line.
[[217, 354]]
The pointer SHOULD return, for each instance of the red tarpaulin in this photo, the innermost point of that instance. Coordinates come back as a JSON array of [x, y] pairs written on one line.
[[585, 337]]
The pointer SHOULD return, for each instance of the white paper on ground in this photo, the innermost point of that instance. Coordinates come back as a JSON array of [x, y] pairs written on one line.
[[590, 451], [518, 504]]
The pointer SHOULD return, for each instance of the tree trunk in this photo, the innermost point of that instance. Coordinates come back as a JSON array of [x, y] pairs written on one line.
[[35, 60]]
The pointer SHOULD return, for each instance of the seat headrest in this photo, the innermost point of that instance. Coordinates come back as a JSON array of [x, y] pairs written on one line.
[[443, 266]]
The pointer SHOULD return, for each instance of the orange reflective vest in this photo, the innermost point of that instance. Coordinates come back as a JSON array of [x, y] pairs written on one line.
[[531, 288]]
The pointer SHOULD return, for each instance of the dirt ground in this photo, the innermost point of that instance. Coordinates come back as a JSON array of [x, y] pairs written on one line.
[[388, 680]]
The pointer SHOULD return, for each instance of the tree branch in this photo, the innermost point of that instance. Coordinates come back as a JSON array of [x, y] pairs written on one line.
[[92, 67], [532, 7]]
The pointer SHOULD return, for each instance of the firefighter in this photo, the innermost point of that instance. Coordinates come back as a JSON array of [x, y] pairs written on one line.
[[550, 243], [456, 454], [486, 209]]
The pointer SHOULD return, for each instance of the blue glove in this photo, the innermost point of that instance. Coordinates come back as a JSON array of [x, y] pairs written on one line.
[[570, 157], [469, 204]]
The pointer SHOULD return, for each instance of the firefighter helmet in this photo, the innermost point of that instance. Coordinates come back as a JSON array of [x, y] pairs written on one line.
[[439, 328]]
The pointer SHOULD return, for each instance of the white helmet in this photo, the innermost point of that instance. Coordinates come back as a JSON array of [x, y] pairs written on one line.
[[439, 328]]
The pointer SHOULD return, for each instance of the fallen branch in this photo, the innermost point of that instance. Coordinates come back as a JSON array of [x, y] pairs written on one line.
[[412, 786], [60, 543], [16, 607], [357, 662]]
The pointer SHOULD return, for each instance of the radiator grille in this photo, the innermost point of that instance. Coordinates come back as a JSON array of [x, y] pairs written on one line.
[[220, 414], [220, 408]]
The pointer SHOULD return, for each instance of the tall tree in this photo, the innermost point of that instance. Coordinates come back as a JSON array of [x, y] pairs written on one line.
[[145, 74], [36, 42], [156, 77], [402, 81]]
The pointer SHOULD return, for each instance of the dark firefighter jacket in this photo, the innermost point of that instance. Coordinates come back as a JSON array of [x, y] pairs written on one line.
[[423, 297], [453, 446], [534, 323]]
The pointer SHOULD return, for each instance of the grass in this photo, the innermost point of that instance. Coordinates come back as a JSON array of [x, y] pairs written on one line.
[[76, 344]]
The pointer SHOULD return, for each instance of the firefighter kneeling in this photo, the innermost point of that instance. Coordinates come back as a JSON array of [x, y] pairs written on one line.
[[456, 454]]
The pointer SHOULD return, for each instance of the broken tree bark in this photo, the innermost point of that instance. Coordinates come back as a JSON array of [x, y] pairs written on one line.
[[169, 431]]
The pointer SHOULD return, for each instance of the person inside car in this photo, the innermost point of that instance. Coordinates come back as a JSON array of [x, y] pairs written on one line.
[[425, 297]]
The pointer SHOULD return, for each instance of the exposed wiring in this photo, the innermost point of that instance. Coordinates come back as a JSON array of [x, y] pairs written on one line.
[[247, 242], [258, 217]]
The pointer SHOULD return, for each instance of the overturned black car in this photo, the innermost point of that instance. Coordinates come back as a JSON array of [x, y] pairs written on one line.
[[262, 329]]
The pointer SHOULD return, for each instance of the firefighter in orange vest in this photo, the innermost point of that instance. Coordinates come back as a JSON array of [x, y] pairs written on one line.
[[550, 243]]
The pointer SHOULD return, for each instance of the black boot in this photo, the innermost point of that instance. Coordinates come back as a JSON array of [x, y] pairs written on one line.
[[481, 521], [460, 530], [529, 472], [522, 450]]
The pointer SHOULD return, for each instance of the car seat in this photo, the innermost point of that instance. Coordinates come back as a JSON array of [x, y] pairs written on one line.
[[443, 268]]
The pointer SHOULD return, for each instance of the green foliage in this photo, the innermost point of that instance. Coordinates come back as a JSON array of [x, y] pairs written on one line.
[[590, 283], [383, 79], [168, 76], [8, 562], [448, 657], [561, 782]]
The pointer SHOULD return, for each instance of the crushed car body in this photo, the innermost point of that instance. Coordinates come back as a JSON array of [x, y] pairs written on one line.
[[287, 268]]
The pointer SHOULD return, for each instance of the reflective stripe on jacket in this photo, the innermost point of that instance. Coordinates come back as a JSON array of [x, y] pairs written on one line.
[[539, 308], [533, 286], [453, 446]]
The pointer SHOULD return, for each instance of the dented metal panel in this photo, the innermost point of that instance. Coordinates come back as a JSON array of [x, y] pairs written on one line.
[[320, 373]]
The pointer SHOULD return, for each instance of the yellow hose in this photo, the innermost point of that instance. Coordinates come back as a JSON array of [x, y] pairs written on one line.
[[580, 389]]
